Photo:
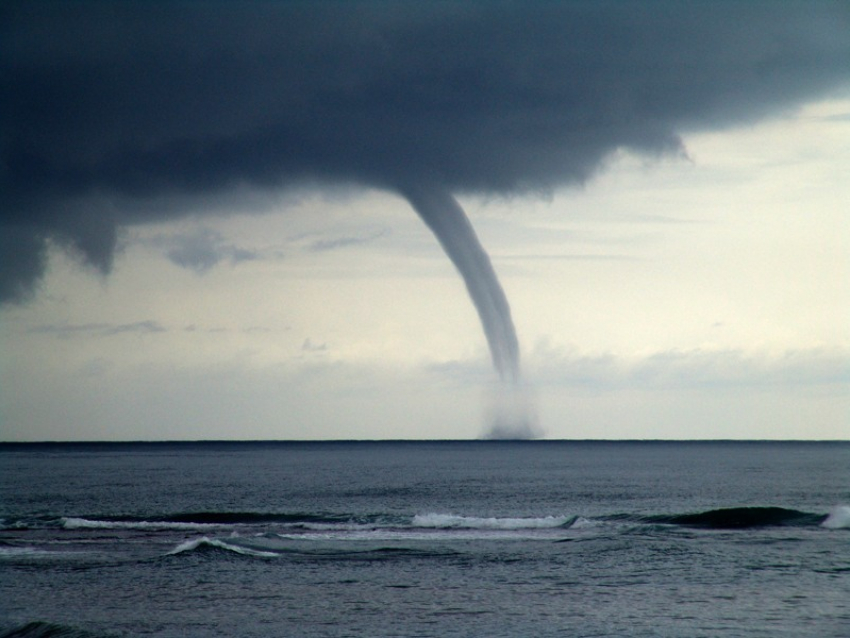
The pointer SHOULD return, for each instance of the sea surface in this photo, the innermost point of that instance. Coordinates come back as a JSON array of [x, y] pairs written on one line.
[[474, 538]]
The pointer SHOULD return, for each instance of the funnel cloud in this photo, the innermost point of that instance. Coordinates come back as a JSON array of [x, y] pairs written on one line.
[[446, 219]]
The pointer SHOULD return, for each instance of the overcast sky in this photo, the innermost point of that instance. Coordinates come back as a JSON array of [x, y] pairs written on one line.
[[203, 233]]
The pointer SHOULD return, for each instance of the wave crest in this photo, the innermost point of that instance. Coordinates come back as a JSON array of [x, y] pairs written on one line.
[[207, 543], [69, 522], [452, 521], [838, 518]]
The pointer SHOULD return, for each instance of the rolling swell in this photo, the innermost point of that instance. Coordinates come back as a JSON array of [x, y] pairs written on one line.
[[741, 518]]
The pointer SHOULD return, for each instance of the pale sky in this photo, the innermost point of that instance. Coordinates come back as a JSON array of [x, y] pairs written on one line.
[[693, 291]]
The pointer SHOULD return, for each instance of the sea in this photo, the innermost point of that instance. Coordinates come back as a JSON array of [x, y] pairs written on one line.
[[425, 538]]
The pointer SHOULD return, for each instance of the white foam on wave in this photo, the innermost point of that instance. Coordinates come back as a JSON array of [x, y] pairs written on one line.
[[839, 518], [585, 523], [85, 523], [332, 527], [452, 521], [194, 544]]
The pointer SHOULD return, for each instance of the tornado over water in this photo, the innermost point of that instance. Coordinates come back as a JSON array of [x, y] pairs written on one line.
[[510, 412], [446, 219]]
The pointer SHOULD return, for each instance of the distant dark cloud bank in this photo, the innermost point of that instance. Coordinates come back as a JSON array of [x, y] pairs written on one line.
[[118, 113]]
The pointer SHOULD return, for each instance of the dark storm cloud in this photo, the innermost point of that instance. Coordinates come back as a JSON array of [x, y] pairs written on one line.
[[109, 107]]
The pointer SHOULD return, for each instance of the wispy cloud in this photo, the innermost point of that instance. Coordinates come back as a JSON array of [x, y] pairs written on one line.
[[691, 369], [99, 329], [837, 117], [569, 257], [309, 346], [339, 238]]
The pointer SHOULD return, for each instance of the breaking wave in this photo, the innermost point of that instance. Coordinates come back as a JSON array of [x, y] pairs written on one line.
[[216, 544], [838, 518], [85, 523], [451, 521], [198, 521]]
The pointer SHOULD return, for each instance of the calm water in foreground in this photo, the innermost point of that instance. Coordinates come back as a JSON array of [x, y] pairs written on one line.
[[481, 538]]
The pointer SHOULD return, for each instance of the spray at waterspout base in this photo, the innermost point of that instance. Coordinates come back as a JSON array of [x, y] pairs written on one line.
[[510, 413]]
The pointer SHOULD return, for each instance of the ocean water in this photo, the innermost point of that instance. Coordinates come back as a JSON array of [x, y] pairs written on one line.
[[477, 538]]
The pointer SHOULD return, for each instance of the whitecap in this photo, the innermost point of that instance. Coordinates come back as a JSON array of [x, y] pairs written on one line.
[[190, 545], [580, 522], [839, 518], [85, 523], [452, 521]]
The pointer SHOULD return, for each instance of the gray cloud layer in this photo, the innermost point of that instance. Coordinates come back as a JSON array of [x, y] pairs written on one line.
[[201, 250], [119, 113]]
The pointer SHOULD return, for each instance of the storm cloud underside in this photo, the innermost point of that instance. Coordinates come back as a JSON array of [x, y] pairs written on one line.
[[120, 113]]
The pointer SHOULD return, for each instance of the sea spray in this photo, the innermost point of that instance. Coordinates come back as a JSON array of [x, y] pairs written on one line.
[[839, 518], [510, 411]]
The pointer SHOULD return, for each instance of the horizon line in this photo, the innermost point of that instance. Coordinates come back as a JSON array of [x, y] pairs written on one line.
[[405, 441]]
